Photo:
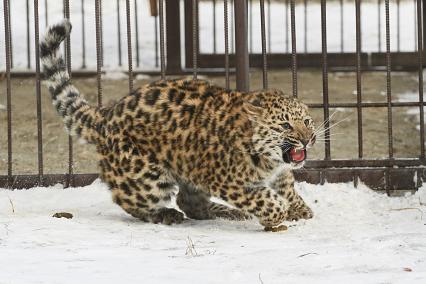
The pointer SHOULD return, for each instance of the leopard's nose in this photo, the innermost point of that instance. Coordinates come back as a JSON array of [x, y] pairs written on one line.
[[305, 142]]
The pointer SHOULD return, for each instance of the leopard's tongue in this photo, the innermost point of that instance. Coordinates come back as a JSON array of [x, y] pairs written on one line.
[[297, 155]]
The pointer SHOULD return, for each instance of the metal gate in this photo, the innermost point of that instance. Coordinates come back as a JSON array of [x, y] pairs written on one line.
[[387, 174]]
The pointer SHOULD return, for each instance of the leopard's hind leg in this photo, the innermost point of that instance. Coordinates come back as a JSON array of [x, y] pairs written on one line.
[[197, 205], [140, 186]]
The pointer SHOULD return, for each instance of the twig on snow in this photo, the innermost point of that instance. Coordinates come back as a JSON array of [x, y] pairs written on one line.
[[305, 254], [11, 204], [260, 279], [190, 248]]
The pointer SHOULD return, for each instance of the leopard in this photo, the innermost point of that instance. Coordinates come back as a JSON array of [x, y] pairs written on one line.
[[178, 149]]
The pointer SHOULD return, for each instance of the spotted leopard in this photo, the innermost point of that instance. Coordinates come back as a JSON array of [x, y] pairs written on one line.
[[193, 136]]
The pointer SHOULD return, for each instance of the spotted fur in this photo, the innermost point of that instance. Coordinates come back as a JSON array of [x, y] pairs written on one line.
[[193, 136]]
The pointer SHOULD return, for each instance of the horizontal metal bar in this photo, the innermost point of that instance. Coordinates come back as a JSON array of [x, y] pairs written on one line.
[[400, 178], [365, 105], [364, 163], [400, 60], [28, 181]]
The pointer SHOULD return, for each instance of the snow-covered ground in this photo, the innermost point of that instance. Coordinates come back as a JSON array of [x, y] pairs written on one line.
[[356, 236]]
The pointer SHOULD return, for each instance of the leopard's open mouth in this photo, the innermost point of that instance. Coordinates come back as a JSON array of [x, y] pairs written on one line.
[[294, 155]]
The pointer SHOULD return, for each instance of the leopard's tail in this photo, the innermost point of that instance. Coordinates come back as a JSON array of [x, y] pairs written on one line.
[[79, 117]]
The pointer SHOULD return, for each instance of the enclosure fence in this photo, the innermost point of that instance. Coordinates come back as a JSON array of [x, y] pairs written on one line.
[[237, 57]]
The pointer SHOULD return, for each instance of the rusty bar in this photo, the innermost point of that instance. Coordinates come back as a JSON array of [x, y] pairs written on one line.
[[226, 33], [241, 42], [38, 95], [263, 40], [137, 33], [379, 19], [342, 43], [293, 47], [8, 49], [287, 46], [129, 46], [325, 78], [98, 51], [28, 34], [83, 36], [398, 26], [162, 55], [173, 37], [194, 38], [388, 80], [120, 63], [358, 75], [214, 26], [46, 17], [305, 25], [420, 52]]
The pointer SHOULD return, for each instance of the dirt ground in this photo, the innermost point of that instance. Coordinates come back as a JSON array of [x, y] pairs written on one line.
[[342, 87]]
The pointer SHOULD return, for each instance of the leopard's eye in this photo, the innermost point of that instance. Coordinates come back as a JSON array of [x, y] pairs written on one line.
[[307, 122], [286, 126]]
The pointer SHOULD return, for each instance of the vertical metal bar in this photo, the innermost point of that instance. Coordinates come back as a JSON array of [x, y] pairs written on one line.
[[420, 54], [388, 80], [269, 25], [325, 77], [38, 95], [8, 49], [241, 42], [305, 26], [398, 26], [358, 75], [214, 26], [379, 19], [251, 25], [226, 33], [119, 33], [263, 35], [46, 17], [137, 33], [156, 39], [129, 45], [172, 29], [195, 38], [287, 46], [98, 51], [341, 26], [162, 56], [70, 181], [83, 36], [28, 34], [293, 48]]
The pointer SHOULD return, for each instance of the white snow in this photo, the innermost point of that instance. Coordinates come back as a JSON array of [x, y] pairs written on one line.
[[356, 236]]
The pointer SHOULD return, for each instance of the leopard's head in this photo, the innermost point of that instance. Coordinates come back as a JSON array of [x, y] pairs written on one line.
[[283, 127]]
